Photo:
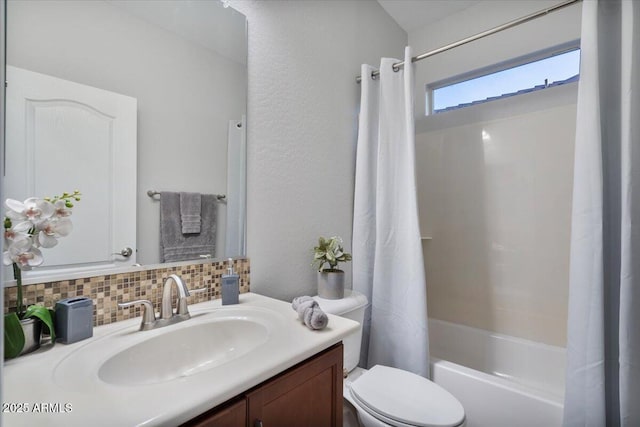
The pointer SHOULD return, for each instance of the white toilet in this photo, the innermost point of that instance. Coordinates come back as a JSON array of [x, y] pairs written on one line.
[[385, 396]]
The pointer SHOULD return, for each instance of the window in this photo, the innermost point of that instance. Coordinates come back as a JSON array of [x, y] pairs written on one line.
[[509, 80]]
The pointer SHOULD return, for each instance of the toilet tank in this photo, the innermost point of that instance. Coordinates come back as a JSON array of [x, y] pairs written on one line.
[[352, 306]]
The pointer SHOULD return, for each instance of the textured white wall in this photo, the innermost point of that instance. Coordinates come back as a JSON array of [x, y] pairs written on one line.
[[302, 125]]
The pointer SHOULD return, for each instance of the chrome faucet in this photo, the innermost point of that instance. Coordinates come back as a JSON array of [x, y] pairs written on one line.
[[167, 317], [166, 309]]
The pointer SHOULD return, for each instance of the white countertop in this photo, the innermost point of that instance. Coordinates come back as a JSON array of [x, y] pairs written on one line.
[[67, 375]]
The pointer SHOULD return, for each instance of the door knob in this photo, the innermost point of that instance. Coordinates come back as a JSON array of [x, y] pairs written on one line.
[[125, 252]]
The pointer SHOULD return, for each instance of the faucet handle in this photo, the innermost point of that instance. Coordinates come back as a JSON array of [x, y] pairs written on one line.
[[198, 291], [182, 302], [148, 314]]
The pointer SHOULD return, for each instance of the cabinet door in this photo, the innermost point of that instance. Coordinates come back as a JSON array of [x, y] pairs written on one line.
[[308, 395], [234, 415]]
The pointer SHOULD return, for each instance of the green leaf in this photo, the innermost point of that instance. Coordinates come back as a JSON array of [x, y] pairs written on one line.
[[329, 251], [43, 314], [46, 329], [13, 336]]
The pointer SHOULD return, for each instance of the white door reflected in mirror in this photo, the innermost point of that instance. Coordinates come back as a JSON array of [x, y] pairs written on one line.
[[62, 136]]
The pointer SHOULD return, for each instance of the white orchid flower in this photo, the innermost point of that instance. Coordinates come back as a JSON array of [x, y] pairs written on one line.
[[23, 253], [61, 210], [52, 229], [33, 209], [17, 232], [32, 224]]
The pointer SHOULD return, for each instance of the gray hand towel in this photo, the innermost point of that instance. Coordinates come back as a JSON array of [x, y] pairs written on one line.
[[175, 246], [190, 212], [310, 312]]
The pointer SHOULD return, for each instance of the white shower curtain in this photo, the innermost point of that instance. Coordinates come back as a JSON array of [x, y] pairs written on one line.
[[387, 252], [603, 345]]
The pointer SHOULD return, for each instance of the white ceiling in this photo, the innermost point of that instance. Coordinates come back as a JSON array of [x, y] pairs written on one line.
[[414, 14]]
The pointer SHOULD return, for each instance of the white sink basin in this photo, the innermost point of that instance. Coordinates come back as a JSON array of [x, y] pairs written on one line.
[[208, 340], [184, 352]]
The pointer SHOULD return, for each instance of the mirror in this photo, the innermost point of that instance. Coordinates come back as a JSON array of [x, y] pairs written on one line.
[[181, 64]]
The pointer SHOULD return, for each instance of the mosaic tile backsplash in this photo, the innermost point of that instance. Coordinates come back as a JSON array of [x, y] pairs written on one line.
[[107, 291]]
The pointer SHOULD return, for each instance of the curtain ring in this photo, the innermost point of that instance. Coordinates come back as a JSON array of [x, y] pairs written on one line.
[[373, 76], [395, 68]]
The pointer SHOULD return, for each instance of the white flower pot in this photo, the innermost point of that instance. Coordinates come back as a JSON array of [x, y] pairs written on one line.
[[331, 284]]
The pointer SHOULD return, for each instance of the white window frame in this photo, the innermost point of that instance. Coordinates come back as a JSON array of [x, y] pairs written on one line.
[[495, 68]]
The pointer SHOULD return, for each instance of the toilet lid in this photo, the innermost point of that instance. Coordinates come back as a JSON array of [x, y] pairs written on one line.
[[407, 398]]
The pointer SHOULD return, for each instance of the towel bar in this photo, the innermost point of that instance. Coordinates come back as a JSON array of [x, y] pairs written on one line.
[[152, 193]]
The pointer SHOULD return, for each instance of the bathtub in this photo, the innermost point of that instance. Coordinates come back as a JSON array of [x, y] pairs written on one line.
[[500, 380]]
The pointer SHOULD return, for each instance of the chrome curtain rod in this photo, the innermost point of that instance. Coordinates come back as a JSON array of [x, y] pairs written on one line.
[[478, 36], [152, 193]]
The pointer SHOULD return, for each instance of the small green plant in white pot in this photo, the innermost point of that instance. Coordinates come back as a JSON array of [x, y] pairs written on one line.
[[330, 280]]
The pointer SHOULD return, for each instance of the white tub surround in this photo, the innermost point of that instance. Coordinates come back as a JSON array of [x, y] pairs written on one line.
[[68, 375], [500, 380]]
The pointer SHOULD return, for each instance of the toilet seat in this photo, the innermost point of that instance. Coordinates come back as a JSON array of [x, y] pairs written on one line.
[[404, 399]]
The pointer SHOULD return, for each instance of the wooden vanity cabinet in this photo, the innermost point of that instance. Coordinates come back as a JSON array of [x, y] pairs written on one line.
[[306, 395], [230, 414], [309, 394]]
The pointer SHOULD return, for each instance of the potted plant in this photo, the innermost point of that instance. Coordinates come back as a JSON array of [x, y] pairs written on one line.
[[330, 280], [31, 225]]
